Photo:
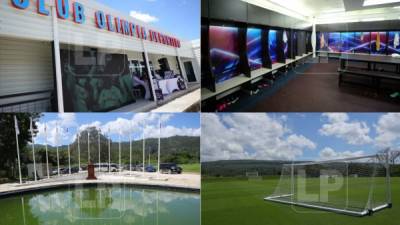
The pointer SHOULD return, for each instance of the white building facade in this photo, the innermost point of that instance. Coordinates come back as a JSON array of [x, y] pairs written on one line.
[[82, 56]]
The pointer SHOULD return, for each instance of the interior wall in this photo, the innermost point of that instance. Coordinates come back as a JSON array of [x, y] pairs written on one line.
[[360, 26], [239, 11], [173, 63]]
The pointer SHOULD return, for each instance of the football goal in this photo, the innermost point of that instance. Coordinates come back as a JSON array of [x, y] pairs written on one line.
[[356, 186], [253, 175]]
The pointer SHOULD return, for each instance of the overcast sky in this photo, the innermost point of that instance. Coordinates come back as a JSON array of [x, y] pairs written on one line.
[[310, 136]]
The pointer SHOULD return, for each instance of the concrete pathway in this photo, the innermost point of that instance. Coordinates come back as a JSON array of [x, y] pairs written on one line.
[[176, 181]]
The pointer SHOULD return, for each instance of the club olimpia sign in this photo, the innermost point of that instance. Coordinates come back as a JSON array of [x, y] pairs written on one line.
[[103, 20]]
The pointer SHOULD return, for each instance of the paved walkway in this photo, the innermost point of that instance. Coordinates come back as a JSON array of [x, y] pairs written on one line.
[[178, 181], [181, 104]]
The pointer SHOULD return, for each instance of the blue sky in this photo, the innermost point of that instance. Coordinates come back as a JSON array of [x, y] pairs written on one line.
[[114, 124], [179, 17], [293, 136]]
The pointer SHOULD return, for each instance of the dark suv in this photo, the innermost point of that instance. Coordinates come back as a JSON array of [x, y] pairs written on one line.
[[170, 168]]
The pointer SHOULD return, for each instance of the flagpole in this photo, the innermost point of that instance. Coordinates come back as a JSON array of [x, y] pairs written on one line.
[[79, 152], [33, 150], [88, 146], [58, 157], [130, 148], [47, 154], [98, 137], [144, 144], [69, 157], [16, 138], [120, 169], [159, 144], [109, 152]]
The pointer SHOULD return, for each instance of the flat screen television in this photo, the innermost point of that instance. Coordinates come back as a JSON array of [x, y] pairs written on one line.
[[322, 44], [224, 52], [394, 43], [294, 43], [378, 43], [362, 42], [334, 44], [348, 42], [273, 46], [285, 39], [254, 48]]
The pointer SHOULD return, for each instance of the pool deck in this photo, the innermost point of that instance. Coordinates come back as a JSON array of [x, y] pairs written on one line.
[[186, 181]]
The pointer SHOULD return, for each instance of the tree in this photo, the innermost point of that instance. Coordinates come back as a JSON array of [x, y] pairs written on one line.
[[8, 147]]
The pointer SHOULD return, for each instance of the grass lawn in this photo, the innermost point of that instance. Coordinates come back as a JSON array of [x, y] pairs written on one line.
[[191, 168], [239, 201]]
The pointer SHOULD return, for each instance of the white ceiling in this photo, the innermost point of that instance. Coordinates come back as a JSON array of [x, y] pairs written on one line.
[[333, 11]]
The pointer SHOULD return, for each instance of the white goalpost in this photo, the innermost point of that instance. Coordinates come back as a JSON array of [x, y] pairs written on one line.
[[355, 186], [253, 175]]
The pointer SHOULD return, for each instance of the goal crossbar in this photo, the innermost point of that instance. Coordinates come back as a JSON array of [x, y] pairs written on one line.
[[372, 169]]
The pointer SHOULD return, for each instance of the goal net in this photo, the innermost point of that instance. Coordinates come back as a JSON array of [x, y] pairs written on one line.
[[253, 175], [356, 186]]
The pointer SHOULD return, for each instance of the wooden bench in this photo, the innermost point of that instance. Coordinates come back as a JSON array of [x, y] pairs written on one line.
[[376, 76]]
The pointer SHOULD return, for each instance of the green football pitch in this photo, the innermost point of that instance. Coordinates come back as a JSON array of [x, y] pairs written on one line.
[[241, 201]]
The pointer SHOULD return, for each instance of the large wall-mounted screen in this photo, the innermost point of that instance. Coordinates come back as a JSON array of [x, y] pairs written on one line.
[[348, 41], [224, 52], [334, 42], [378, 43], [322, 44], [394, 43], [254, 48], [285, 39], [273, 46], [362, 42]]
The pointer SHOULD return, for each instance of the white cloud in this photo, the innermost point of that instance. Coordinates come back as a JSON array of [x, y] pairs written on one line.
[[249, 136], [121, 126], [388, 130], [147, 18], [329, 154], [61, 125], [340, 126]]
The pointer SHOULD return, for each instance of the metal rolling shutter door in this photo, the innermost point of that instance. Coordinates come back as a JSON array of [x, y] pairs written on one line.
[[25, 66]]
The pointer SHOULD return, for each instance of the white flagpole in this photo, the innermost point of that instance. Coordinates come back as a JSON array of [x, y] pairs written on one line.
[[58, 157], [88, 147], [79, 152], [33, 150], [98, 140], [144, 145], [69, 157], [120, 169], [159, 144], [130, 147], [47, 154], [16, 139], [109, 151]]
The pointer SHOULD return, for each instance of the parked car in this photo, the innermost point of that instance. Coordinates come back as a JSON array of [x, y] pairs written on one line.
[[170, 168], [147, 168]]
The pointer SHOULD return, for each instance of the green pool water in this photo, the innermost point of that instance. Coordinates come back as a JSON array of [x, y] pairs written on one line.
[[101, 205]]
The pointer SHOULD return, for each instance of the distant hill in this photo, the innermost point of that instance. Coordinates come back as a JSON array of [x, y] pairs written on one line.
[[179, 149], [237, 168]]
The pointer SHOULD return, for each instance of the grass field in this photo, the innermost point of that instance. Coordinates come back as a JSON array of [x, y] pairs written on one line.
[[191, 168], [240, 201]]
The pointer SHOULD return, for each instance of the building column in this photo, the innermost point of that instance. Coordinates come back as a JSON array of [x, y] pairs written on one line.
[[146, 59], [57, 61], [196, 66], [314, 38], [183, 71]]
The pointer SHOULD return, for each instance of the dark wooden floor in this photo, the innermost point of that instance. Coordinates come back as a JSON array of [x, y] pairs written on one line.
[[317, 90]]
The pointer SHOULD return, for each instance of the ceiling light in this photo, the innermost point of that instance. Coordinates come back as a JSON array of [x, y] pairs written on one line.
[[333, 11], [372, 19], [378, 2]]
